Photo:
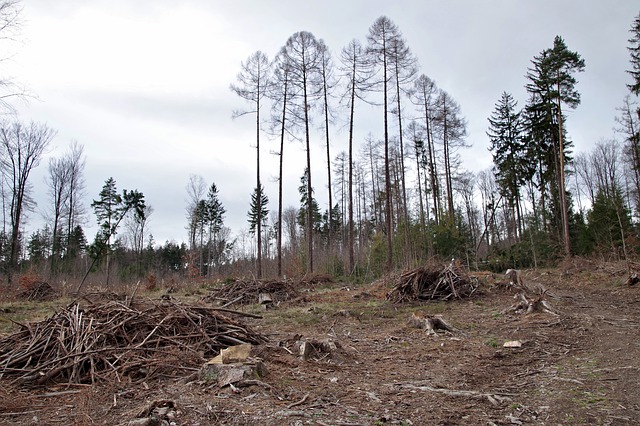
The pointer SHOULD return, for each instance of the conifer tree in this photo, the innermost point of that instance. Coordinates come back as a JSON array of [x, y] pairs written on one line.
[[511, 156]]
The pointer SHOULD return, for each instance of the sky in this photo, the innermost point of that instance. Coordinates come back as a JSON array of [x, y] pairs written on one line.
[[144, 85]]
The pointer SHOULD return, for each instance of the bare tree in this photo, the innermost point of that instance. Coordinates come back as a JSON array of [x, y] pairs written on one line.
[[196, 188], [304, 54], [454, 129], [22, 149], [357, 74], [328, 85], [136, 229], [281, 92], [630, 129], [10, 26], [65, 184], [76, 211], [58, 182], [404, 70], [381, 39], [253, 82], [424, 96]]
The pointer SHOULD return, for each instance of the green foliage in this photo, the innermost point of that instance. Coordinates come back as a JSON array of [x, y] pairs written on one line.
[[39, 246], [316, 216], [452, 238], [582, 243], [551, 84], [253, 209], [634, 50], [609, 220], [511, 155], [172, 256]]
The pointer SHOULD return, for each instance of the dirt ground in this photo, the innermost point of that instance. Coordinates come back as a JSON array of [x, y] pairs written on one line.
[[578, 367]]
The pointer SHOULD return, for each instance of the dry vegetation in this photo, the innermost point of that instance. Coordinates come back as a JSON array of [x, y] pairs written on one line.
[[333, 354]]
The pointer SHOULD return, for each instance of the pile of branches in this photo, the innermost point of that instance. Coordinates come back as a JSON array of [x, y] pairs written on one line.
[[140, 340], [433, 283], [247, 292], [37, 291]]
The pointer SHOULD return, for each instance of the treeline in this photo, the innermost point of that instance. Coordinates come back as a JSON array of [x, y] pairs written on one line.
[[396, 198]]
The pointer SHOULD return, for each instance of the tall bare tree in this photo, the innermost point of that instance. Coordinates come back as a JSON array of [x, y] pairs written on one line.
[[454, 130], [328, 85], [382, 37], [252, 86], [281, 94], [58, 180], [404, 69], [424, 96], [10, 26], [357, 75], [76, 211], [65, 184], [629, 121], [196, 188], [22, 150], [304, 54]]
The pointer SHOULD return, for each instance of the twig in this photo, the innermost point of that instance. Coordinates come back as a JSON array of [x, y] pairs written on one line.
[[302, 401]]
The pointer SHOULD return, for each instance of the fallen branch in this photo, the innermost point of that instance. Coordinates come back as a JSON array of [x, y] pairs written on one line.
[[493, 398]]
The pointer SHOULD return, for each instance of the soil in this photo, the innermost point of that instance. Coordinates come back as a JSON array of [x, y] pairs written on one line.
[[581, 366]]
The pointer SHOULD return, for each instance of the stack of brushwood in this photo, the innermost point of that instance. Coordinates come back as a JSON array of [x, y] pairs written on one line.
[[247, 292], [37, 291], [133, 341], [433, 283]]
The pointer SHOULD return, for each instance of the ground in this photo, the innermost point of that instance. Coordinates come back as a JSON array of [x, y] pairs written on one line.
[[581, 366]]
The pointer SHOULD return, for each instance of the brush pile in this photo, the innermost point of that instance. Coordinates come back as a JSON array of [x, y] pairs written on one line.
[[37, 291], [247, 292], [433, 283], [138, 341]]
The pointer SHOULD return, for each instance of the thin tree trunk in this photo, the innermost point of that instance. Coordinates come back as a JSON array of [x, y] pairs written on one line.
[[563, 195]]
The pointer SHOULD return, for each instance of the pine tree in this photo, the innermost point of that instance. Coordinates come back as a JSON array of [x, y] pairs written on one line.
[[634, 50], [258, 210], [511, 156], [552, 84]]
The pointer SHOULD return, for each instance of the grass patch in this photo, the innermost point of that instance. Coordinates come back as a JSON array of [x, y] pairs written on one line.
[[25, 311]]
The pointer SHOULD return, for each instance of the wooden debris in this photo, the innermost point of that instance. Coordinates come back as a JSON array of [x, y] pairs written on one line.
[[432, 283], [228, 374], [515, 279], [307, 349], [493, 398], [37, 291], [531, 304], [315, 279], [114, 340], [247, 292], [431, 323]]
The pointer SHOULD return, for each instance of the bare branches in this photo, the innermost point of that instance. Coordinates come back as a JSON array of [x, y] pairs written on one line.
[[147, 338]]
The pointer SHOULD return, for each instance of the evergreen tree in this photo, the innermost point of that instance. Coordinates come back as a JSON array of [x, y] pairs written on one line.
[[634, 50], [552, 84], [258, 210], [110, 209], [304, 203], [609, 221], [215, 221], [511, 156], [253, 82]]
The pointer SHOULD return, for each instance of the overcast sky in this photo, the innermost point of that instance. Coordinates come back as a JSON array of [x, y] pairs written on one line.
[[144, 84]]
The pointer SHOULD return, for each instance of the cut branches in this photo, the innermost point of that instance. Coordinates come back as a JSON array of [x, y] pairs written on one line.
[[112, 340], [432, 283]]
